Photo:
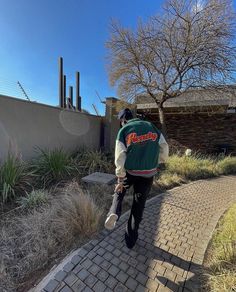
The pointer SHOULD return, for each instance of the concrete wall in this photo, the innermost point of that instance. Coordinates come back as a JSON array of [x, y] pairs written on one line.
[[25, 125], [111, 123]]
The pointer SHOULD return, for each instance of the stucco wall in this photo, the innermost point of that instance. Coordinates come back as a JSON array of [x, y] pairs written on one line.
[[25, 125]]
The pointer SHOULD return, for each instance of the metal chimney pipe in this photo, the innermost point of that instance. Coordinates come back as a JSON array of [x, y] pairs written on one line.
[[67, 102], [64, 90], [71, 96], [78, 98], [60, 62]]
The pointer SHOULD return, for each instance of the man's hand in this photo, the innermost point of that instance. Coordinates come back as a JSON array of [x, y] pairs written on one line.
[[120, 185], [161, 167], [119, 188]]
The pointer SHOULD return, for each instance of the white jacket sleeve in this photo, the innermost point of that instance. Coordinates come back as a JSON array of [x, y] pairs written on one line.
[[120, 157], [164, 149]]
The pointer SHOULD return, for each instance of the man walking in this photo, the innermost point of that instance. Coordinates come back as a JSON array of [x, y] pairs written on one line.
[[140, 148]]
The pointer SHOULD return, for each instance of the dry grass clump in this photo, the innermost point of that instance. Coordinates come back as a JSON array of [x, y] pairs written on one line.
[[34, 199], [102, 195], [227, 165], [29, 244], [89, 161], [221, 257], [168, 180], [192, 167]]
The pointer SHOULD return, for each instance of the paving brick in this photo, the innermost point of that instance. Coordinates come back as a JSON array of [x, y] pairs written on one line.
[[170, 275], [82, 252], [88, 247], [141, 267], [120, 288], [90, 281], [101, 251], [59, 288], [98, 260], [66, 289], [110, 248], [102, 275], [161, 280], [132, 272], [87, 289], [108, 256], [87, 263], [141, 288], [105, 265], [68, 267], [77, 269], [123, 266], [94, 269], [51, 286], [178, 271], [152, 285], [132, 262], [78, 286], [151, 273], [99, 286], [111, 282], [124, 257], [116, 252], [70, 279], [76, 259], [142, 278], [113, 270], [121, 277], [103, 243], [60, 276], [131, 284], [115, 261], [141, 258], [83, 274], [91, 254]]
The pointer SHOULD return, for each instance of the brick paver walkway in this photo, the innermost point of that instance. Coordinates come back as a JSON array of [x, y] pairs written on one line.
[[173, 237]]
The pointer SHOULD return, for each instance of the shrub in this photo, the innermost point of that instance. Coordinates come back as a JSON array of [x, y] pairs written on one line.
[[15, 178], [167, 180], [34, 199], [191, 167], [226, 165], [29, 244], [78, 210], [91, 161], [53, 166]]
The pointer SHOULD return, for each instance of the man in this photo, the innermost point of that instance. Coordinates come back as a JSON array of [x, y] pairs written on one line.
[[140, 148]]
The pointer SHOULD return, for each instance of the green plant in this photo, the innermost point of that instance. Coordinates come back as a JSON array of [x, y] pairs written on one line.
[[15, 178], [53, 166], [191, 167], [221, 260], [91, 161], [34, 199], [226, 165]]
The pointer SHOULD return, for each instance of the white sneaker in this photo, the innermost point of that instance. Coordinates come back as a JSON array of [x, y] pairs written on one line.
[[110, 222]]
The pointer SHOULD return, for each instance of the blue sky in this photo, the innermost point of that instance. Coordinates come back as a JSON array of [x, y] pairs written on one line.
[[33, 34]]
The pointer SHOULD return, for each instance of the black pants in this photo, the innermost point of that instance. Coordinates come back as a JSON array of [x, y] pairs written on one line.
[[142, 187]]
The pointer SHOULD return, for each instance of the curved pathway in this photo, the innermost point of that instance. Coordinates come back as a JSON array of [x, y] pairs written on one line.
[[173, 238]]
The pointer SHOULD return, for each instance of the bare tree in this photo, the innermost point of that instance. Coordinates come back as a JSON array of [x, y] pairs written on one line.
[[189, 45]]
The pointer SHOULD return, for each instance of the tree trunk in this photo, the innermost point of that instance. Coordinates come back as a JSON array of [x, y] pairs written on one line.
[[162, 121]]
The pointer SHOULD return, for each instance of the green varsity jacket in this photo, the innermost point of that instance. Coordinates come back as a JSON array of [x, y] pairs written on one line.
[[140, 147]]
